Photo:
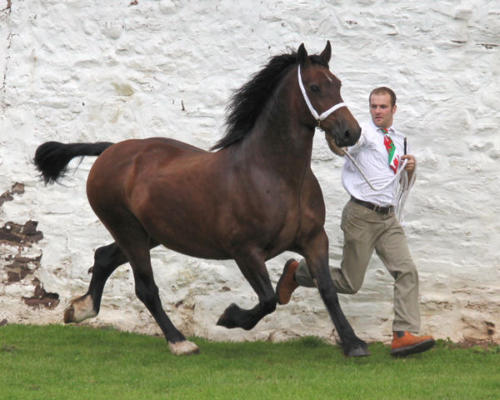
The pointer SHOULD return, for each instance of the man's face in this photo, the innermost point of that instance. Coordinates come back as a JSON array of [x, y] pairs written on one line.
[[381, 110]]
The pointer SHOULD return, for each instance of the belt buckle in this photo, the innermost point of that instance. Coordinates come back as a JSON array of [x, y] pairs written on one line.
[[382, 210]]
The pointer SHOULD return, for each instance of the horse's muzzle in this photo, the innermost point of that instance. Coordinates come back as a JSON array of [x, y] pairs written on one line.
[[345, 137]]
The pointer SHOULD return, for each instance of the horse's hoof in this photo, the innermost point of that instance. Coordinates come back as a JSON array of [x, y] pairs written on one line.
[[225, 322], [183, 348], [358, 351], [79, 310], [226, 319]]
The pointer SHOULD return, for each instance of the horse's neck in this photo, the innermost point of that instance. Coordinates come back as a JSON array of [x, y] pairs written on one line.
[[280, 144]]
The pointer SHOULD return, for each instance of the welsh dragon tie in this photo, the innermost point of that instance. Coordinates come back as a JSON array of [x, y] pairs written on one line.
[[391, 150]]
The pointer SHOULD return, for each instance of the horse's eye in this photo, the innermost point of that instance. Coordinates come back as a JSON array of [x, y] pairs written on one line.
[[315, 88]]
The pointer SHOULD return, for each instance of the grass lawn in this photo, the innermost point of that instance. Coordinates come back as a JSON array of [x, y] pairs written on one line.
[[70, 362]]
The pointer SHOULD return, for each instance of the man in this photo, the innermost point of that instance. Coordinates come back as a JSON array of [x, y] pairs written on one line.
[[369, 223]]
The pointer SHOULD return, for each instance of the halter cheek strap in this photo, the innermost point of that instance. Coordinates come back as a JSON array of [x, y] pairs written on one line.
[[323, 115]]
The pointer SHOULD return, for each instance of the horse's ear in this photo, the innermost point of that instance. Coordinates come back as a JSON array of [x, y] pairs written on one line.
[[301, 54], [326, 53]]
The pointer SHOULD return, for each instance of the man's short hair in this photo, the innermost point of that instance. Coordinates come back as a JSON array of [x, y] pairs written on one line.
[[384, 90]]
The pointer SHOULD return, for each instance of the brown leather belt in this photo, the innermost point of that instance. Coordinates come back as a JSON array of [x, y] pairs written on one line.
[[374, 207]]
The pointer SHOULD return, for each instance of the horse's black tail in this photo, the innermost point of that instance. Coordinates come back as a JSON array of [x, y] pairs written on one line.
[[52, 158]]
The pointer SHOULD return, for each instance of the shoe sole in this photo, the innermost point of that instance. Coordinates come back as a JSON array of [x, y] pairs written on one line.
[[414, 349], [285, 272]]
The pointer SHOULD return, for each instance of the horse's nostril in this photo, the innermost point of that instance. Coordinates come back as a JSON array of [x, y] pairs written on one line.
[[346, 134]]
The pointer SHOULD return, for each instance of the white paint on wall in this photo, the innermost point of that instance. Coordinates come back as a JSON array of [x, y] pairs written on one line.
[[91, 71]]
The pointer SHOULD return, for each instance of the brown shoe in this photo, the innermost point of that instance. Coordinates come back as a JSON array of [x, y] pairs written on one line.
[[404, 343], [286, 285]]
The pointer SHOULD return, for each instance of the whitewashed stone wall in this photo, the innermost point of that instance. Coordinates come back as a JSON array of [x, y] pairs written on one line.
[[111, 70]]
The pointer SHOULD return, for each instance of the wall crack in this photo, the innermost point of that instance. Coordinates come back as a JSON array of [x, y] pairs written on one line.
[[8, 8], [5, 14]]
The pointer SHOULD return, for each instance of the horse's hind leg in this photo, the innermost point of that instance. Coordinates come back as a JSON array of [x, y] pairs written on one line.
[[254, 269], [106, 260], [135, 244], [147, 292]]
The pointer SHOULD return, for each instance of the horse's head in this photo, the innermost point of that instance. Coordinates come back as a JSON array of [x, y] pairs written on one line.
[[321, 92]]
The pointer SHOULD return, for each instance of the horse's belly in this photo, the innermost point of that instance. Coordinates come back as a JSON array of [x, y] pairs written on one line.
[[207, 230], [197, 249], [180, 224]]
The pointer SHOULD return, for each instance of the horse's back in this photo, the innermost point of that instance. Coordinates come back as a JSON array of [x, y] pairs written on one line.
[[169, 148], [118, 169]]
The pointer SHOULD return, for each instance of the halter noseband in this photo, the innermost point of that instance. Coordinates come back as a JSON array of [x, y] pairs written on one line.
[[323, 115]]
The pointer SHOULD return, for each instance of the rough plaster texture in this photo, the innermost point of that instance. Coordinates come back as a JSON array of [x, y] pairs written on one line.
[[94, 70]]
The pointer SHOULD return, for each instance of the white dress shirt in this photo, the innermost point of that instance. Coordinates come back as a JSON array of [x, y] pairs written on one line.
[[371, 155]]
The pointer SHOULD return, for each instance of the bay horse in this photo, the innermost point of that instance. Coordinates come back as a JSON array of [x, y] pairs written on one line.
[[251, 198]]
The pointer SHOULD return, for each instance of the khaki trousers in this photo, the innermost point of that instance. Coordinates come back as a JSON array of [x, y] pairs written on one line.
[[365, 231]]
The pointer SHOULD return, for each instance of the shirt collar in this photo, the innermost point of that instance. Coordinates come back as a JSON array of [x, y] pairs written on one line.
[[390, 130]]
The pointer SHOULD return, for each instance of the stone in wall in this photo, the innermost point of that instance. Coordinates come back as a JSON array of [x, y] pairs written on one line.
[[19, 265]]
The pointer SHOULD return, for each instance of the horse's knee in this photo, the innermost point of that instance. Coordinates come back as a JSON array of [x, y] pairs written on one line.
[[106, 260], [109, 256], [103, 254], [329, 294], [330, 297], [146, 292]]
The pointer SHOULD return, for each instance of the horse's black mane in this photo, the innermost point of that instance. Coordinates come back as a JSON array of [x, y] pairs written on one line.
[[248, 102]]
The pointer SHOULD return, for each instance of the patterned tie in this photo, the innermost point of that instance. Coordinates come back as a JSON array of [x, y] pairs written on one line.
[[391, 150]]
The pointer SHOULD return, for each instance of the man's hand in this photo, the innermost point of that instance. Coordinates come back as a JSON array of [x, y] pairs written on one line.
[[340, 151], [411, 163]]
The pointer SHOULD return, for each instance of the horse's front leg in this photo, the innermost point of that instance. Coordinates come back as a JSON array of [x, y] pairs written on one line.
[[254, 269], [316, 253]]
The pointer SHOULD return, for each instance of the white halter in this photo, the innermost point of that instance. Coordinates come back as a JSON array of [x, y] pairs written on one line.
[[314, 113]]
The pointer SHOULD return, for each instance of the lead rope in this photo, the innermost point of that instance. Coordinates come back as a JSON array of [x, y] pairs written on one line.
[[403, 188], [402, 194], [376, 189]]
